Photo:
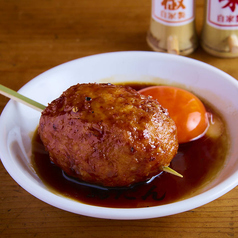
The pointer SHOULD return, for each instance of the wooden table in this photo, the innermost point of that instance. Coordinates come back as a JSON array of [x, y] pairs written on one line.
[[37, 35]]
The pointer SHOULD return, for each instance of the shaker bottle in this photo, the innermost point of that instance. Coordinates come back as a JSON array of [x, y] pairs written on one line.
[[220, 29], [172, 27]]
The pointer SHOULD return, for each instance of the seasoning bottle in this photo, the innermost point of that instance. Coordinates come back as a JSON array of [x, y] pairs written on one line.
[[220, 30], [172, 27]]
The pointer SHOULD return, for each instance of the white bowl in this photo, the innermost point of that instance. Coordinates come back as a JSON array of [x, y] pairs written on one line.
[[18, 122]]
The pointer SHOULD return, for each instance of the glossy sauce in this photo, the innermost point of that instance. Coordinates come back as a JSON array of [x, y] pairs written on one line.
[[198, 161]]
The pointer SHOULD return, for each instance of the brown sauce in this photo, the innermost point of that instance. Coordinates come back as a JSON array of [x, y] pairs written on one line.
[[198, 161]]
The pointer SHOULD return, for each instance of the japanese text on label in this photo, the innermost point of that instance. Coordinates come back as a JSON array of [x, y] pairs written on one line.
[[173, 12], [223, 14]]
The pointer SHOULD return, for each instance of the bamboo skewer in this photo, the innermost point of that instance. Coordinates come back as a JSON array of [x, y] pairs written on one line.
[[171, 171], [39, 107], [20, 98]]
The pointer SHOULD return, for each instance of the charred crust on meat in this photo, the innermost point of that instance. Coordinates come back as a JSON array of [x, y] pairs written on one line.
[[132, 149], [88, 99]]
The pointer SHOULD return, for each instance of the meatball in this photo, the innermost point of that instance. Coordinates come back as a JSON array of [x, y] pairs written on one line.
[[108, 135]]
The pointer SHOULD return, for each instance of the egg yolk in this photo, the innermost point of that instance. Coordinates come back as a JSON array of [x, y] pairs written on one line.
[[187, 111]]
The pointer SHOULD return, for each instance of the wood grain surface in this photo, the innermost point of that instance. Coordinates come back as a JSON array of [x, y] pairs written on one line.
[[38, 35]]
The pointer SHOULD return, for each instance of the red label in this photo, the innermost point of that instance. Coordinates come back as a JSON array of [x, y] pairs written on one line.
[[173, 12], [223, 14]]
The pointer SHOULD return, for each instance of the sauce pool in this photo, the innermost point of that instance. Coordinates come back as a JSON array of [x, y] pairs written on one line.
[[198, 161]]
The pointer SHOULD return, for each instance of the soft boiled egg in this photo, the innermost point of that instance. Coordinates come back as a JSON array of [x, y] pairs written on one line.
[[187, 111]]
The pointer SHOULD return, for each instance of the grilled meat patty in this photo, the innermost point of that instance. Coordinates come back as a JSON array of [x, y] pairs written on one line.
[[108, 135]]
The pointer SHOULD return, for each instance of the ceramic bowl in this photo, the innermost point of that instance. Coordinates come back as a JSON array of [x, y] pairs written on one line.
[[18, 122]]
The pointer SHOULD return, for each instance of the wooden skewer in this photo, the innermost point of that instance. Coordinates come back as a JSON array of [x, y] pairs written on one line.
[[171, 171], [39, 107], [20, 98]]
